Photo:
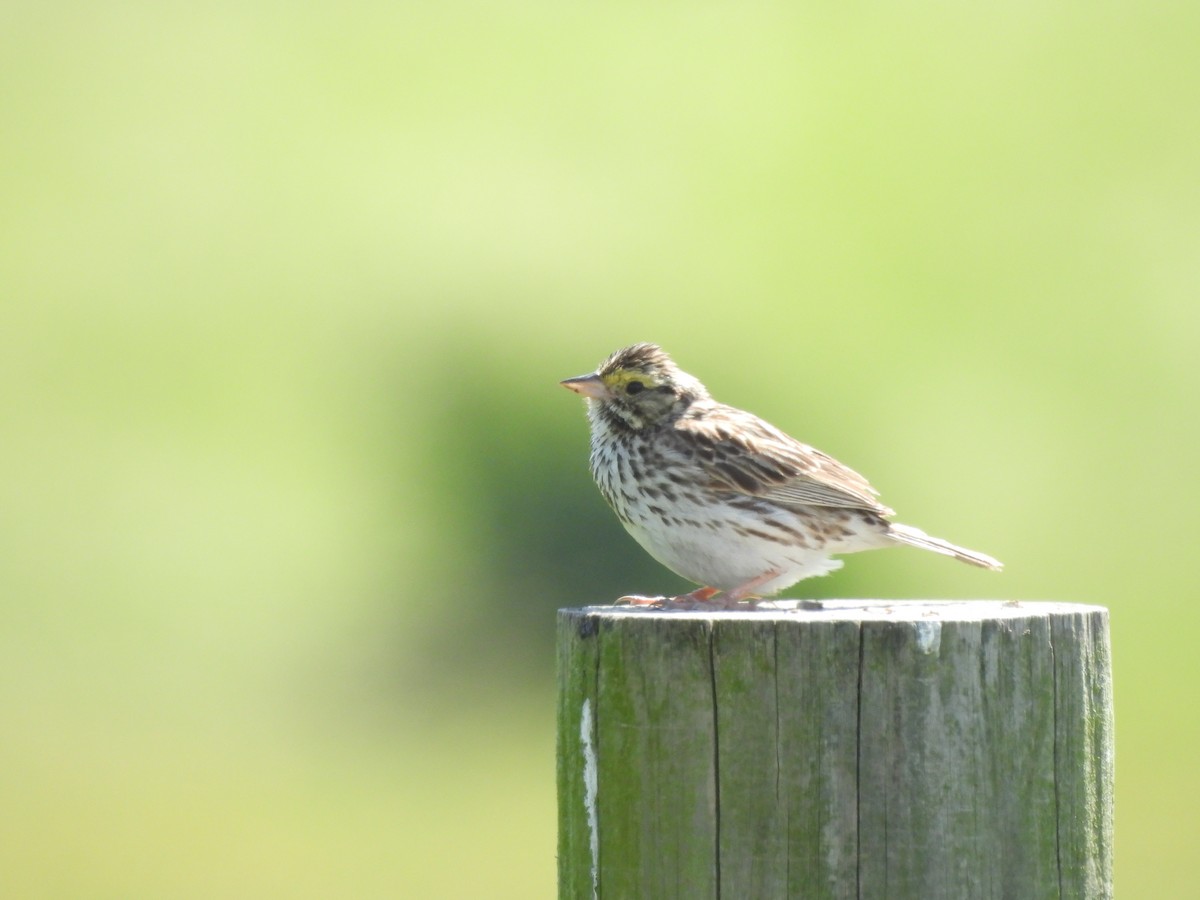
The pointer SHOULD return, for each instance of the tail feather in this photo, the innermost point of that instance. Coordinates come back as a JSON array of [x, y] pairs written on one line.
[[915, 537]]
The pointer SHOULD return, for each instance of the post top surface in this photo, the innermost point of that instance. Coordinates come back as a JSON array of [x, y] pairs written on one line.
[[861, 611]]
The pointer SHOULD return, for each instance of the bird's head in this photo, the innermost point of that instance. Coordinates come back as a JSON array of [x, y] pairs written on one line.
[[637, 387]]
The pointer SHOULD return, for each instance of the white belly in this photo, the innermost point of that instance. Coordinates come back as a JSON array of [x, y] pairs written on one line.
[[712, 550]]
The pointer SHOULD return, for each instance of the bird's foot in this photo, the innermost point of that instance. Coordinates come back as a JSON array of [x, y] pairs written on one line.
[[710, 599], [702, 599], [639, 600], [743, 596]]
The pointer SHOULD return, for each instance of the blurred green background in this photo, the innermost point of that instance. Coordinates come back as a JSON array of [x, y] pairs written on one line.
[[290, 492]]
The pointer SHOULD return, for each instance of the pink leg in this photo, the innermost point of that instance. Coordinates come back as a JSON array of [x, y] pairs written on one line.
[[639, 600], [707, 597], [684, 601], [743, 591]]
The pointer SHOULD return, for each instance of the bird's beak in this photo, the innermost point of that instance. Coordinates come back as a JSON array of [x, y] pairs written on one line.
[[587, 386]]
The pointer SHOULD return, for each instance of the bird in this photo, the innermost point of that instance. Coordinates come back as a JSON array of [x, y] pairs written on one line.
[[721, 497]]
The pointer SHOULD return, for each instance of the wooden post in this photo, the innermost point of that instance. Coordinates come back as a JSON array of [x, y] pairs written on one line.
[[916, 750]]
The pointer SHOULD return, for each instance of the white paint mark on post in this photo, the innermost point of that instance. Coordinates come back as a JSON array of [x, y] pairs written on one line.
[[929, 637], [589, 792]]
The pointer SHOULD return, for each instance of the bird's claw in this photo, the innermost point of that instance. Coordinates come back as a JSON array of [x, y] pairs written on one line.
[[639, 600], [701, 599]]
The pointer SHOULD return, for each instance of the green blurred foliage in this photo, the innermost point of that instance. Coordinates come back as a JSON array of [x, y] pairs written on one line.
[[291, 492]]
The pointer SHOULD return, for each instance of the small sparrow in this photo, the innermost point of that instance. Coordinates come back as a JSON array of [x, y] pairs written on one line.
[[721, 497]]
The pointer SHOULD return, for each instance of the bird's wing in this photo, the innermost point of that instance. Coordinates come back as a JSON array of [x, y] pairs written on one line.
[[740, 452]]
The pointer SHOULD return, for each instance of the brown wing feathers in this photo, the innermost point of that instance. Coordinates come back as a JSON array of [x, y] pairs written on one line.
[[758, 459]]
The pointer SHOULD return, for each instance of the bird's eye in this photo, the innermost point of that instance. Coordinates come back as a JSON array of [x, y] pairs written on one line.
[[634, 387]]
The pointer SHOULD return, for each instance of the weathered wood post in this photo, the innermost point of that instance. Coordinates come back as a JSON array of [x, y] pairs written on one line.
[[870, 749]]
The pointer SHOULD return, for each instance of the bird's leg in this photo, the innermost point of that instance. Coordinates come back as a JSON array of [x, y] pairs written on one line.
[[639, 600], [707, 597], [699, 595], [730, 598], [710, 598], [683, 601], [697, 599]]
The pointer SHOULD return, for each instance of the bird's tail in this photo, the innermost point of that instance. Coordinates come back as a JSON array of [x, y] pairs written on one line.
[[915, 537]]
